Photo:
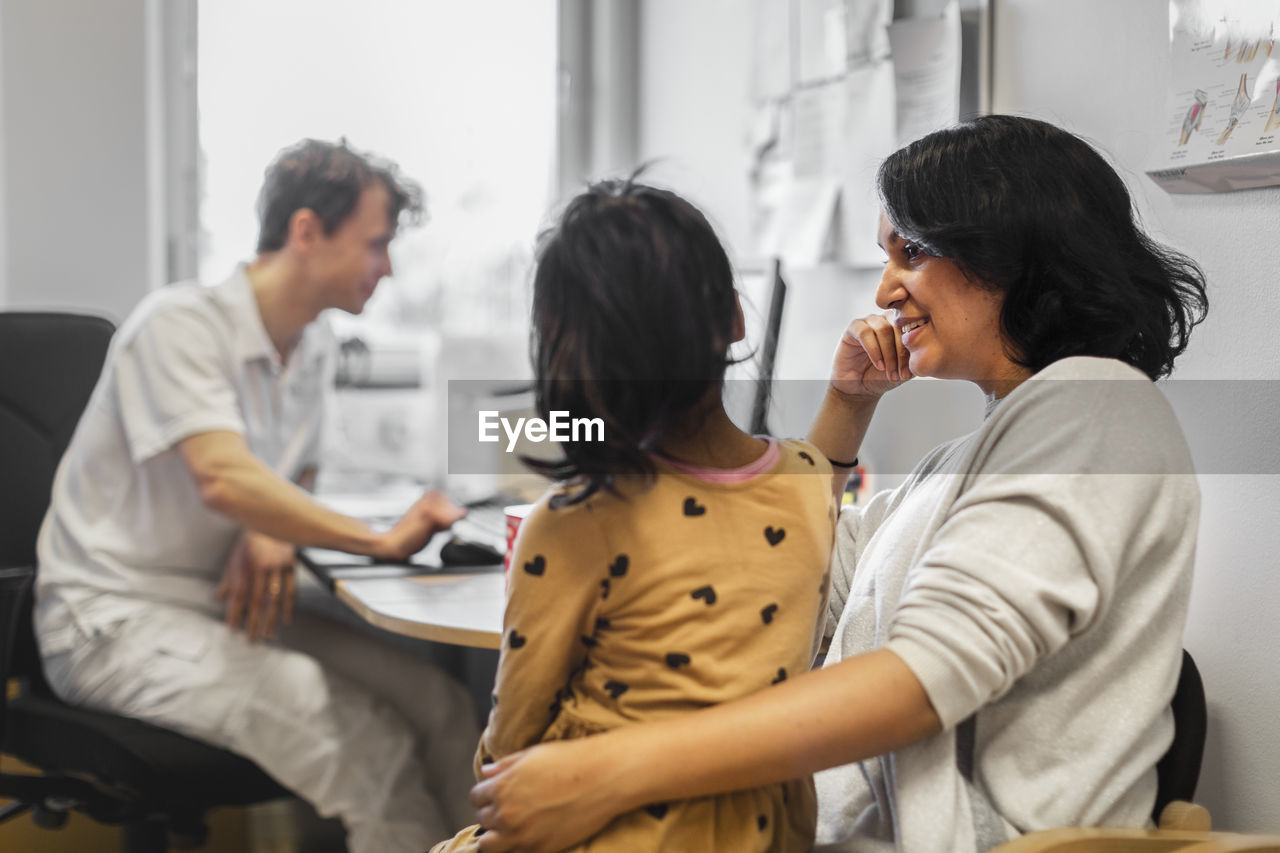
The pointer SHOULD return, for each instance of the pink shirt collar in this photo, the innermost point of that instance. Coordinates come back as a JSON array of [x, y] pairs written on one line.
[[730, 475]]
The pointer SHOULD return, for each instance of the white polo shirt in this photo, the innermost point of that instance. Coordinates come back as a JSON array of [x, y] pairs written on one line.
[[125, 523]]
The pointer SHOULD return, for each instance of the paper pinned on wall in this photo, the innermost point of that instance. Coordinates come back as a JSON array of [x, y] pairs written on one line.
[[814, 148], [1221, 129], [867, 30], [771, 59], [818, 123], [926, 70], [794, 217], [821, 45], [810, 216], [869, 138]]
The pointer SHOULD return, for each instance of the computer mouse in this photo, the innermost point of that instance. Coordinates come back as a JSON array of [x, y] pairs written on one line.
[[463, 552]]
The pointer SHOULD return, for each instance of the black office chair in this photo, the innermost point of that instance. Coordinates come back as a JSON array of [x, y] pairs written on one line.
[[1178, 770], [154, 782]]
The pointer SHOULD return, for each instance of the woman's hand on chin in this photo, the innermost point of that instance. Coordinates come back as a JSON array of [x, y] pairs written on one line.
[[544, 799], [870, 359]]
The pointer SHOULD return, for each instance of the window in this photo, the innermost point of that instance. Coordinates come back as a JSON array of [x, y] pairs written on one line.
[[461, 95]]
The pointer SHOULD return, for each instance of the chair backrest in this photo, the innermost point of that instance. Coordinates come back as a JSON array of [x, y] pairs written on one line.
[[1179, 770], [51, 362]]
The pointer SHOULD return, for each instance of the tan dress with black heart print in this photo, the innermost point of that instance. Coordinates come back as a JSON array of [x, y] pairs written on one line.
[[671, 597]]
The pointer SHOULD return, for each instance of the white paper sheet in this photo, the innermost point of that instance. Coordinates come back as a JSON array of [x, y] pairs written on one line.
[[771, 58], [870, 136], [819, 122], [926, 70], [795, 216], [821, 44], [810, 216], [867, 30]]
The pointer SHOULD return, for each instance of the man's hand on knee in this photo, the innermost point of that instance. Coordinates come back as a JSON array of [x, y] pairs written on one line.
[[258, 585]]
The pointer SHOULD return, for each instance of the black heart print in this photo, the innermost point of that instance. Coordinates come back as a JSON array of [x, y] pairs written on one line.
[[705, 593], [767, 613], [516, 641], [589, 642], [782, 676], [806, 457], [604, 588], [774, 536], [675, 660], [616, 688], [658, 810], [762, 822], [619, 567], [536, 566], [692, 507]]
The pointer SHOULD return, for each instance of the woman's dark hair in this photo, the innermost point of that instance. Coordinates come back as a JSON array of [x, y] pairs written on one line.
[[633, 312], [1037, 213], [326, 178]]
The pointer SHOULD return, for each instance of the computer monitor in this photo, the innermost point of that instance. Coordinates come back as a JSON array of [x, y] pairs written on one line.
[[749, 386]]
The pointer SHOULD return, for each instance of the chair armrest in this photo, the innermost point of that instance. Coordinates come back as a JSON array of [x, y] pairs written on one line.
[[1180, 814]]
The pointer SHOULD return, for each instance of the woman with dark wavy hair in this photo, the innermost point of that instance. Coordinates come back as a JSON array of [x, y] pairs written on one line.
[[1006, 625]]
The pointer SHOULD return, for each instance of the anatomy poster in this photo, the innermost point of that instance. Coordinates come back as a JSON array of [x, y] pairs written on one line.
[[1222, 128]]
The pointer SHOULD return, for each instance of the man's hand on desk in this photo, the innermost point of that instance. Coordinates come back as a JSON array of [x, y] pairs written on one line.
[[258, 585], [430, 514]]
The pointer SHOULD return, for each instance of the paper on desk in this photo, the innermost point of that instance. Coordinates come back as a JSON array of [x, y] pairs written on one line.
[[926, 71], [869, 138]]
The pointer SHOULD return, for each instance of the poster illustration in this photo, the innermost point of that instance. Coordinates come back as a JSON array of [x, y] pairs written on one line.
[[1222, 120]]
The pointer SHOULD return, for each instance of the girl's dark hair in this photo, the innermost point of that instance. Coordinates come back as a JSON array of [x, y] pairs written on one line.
[[633, 312], [327, 178], [1036, 212]]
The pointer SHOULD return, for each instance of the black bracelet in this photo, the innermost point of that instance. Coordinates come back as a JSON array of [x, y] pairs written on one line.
[[853, 464]]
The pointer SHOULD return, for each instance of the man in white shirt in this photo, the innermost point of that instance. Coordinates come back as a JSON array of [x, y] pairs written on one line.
[[166, 558]]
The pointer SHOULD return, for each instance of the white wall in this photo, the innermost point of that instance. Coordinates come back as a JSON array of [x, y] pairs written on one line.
[[73, 155], [1099, 68]]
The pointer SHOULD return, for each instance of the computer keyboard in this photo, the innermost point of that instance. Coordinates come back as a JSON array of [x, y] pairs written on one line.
[[490, 515], [486, 522], [485, 526]]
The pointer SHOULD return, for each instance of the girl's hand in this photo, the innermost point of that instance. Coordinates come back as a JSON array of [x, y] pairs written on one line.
[[543, 799], [870, 358]]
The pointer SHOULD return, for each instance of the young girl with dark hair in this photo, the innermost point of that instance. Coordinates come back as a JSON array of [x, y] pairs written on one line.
[[680, 562], [1006, 626]]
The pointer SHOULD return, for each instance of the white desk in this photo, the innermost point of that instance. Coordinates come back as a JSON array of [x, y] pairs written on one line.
[[447, 606], [464, 610]]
